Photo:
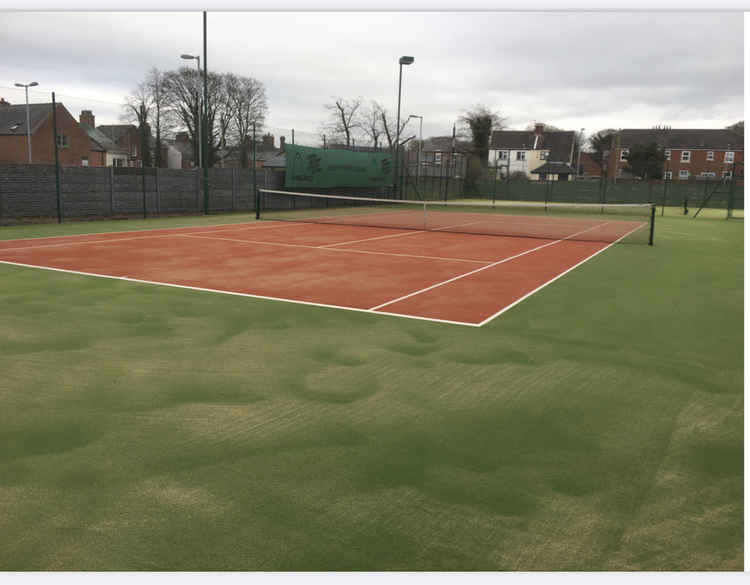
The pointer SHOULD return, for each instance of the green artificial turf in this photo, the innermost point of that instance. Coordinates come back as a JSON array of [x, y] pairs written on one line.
[[598, 425]]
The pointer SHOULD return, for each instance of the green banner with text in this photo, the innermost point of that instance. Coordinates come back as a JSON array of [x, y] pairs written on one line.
[[319, 167]]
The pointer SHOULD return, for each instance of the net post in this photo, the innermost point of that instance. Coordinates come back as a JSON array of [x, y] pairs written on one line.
[[651, 227]]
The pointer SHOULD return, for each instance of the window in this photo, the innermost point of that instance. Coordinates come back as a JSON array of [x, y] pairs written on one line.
[[726, 175], [62, 141], [521, 155], [668, 176], [624, 154], [729, 157], [117, 162], [84, 162], [667, 155], [543, 155], [502, 155], [710, 155], [685, 157], [684, 175], [708, 174], [438, 158]]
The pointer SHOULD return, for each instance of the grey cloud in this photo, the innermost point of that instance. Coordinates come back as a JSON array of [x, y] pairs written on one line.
[[614, 69]]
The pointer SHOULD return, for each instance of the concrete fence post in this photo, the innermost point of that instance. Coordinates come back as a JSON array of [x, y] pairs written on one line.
[[111, 191], [197, 190], [158, 192]]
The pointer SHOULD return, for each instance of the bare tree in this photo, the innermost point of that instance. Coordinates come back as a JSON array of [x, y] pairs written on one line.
[[137, 110], [371, 123], [184, 90], [343, 118], [388, 126], [247, 105], [160, 113], [480, 121]]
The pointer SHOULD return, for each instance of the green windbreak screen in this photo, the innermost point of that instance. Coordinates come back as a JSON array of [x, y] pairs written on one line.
[[318, 167]]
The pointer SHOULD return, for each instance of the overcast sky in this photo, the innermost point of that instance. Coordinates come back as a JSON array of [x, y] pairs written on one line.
[[572, 70]]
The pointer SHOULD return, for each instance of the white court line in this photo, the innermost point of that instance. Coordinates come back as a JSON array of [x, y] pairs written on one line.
[[239, 294], [183, 227], [109, 240], [327, 249], [411, 232], [375, 308], [537, 289]]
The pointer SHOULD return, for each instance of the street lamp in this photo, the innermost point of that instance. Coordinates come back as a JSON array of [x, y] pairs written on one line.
[[419, 149], [200, 107], [28, 130], [401, 62]]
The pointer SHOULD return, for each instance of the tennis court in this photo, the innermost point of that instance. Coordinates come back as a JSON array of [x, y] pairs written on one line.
[[382, 259]]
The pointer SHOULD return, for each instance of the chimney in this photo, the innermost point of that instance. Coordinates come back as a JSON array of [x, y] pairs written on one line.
[[282, 142], [3, 103], [538, 129], [87, 117], [268, 141]]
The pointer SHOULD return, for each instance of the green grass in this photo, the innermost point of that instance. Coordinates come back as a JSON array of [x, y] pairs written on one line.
[[598, 425]]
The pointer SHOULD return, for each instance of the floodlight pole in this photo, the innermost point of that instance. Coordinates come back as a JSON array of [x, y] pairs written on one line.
[[578, 163], [401, 62], [26, 87], [205, 116]]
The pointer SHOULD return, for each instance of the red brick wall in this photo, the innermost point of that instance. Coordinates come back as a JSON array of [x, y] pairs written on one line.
[[13, 149], [590, 167], [698, 162]]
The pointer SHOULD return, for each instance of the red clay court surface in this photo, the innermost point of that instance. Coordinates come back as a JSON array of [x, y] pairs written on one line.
[[464, 279]]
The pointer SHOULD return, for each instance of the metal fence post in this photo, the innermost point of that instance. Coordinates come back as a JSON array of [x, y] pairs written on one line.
[[158, 192]]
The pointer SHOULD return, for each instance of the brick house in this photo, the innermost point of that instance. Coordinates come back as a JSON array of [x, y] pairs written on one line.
[[515, 151], [74, 145], [690, 154], [104, 152], [589, 168], [127, 137]]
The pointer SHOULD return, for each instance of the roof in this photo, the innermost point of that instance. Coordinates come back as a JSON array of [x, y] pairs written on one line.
[[444, 144], [559, 143], [13, 118], [99, 139], [278, 161], [554, 168], [115, 131], [719, 139]]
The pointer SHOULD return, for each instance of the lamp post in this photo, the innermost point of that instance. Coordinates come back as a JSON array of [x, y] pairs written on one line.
[[580, 144], [401, 62], [419, 150], [200, 109], [26, 87]]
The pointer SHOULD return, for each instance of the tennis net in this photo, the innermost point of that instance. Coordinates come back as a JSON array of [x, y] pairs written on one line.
[[632, 223]]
